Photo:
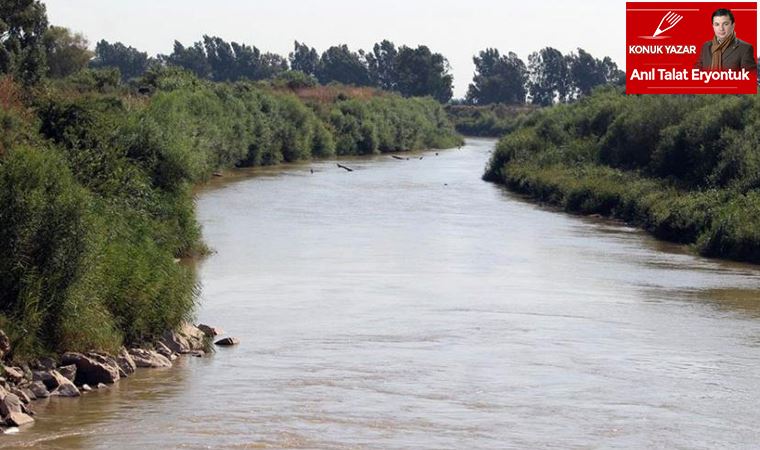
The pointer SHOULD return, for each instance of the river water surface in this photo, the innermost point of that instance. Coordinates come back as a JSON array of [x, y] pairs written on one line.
[[408, 304]]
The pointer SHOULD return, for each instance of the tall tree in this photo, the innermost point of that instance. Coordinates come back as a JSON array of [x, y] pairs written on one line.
[[420, 72], [22, 26], [382, 65], [131, 62], [304, 59], [65, 52], [586, 72], [498, 78], [190, 58], [548, 77], [340, 64]]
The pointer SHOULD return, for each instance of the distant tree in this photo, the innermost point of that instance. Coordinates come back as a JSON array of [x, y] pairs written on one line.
[[586, 72], [221, 58], [22, 26], [420, 72], [612, 74], [131, 62], [65, 52], [382, 65], [304, 59], [340, 64], [548, 77], [190, 58], [498, 79]]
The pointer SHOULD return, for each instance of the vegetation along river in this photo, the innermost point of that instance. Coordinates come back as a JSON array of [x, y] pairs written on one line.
[[408, 304]]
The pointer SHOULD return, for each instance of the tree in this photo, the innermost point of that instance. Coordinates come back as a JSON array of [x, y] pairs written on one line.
[[340, 64], [586, 72], [382, 65], [498, 78], [304, 59], [66, 53], [131, 62], [190, 58], [548, 77], [420, 72], [22, 26]]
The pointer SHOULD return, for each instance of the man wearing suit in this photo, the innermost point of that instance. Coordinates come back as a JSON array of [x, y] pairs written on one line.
[[725, 50]]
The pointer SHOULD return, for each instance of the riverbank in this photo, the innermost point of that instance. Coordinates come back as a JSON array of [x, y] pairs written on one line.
[[685, 168], [74, 374], [98, 178]]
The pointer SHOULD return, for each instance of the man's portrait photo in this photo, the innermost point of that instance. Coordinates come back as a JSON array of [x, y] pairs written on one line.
[[725, 51]]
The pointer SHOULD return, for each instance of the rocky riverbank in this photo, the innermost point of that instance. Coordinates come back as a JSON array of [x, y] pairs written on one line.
[[74, 374]]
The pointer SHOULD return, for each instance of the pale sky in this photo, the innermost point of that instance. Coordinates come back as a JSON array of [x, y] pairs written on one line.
[[458, 29]]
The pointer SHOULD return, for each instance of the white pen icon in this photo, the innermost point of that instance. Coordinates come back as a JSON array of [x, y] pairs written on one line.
[[669, 20]]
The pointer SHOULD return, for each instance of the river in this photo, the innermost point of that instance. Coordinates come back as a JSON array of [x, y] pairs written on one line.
[[408, 304]]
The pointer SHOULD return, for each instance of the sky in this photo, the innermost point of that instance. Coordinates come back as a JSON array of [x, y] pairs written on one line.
[[457, 29]]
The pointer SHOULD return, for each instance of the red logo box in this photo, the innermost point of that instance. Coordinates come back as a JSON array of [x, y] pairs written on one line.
[[665, 42]]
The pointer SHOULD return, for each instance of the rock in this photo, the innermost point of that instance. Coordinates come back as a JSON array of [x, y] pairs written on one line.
[[149, 358], [13, 411], [125, 362], [5, 344], [45, 363], [17, 419], [85, 388], [39, 389], [101, 386], [162, 349], [10, 430], [21, 394], [47, 377], [186, 339], [196, 353], [70, 371], [93, 367], [66, 390], [13, 374], [210, 331], [28, 392], [228, 341], [10, 403]]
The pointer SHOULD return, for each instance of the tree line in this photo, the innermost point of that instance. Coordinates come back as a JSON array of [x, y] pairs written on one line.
[[31, 49], [549, 77]]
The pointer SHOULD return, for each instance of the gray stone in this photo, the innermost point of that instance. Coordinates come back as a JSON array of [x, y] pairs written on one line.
[[186, 339], [228, 341], [28, 392], [44, 363], [85, 388], [51, 378], [17, 419], [13, 374], [101, 386], [93, 367], [70, 371], [162, 349], [149, 358], [210, 331], [21, 394], [125, 362], [10, 403], [66, 390], [39, 389]]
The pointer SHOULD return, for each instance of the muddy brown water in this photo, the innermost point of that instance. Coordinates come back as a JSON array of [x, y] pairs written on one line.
[[408, 304]]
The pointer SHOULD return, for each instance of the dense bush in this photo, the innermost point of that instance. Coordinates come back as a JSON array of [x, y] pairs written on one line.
[[687, 168], [96, 183]]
